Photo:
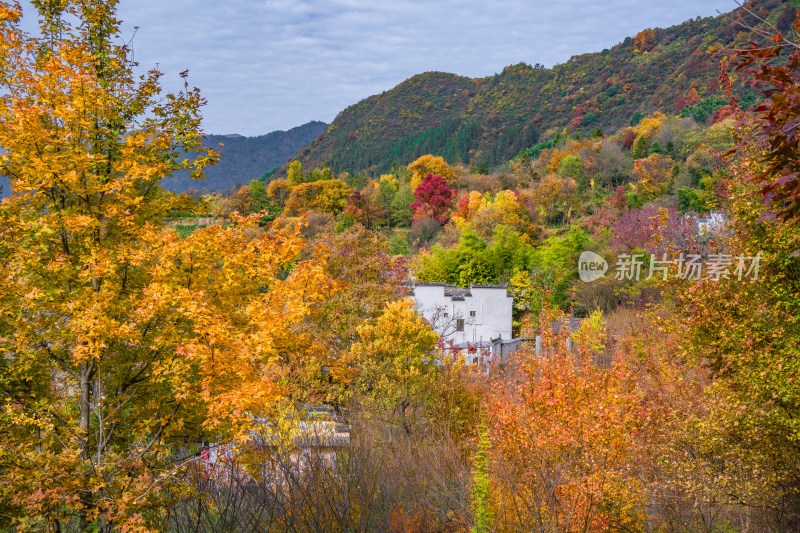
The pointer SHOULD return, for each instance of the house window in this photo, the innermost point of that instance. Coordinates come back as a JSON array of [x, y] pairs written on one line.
[[459, 324], [446, 315], [472, 313]]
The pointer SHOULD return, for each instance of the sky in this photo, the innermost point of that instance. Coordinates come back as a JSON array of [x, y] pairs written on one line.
[[266, 65]]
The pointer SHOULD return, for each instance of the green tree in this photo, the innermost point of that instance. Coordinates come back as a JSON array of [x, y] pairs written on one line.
[[398, 245], [572, 168], [319, 174], [480, 491], [641, 147], [402, 213], [656, 148], [261, 202], [387, 190], [258, 195], [295, 173], [474, 261]]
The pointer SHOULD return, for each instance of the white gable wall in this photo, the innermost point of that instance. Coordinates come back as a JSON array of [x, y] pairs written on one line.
[[486, 314]]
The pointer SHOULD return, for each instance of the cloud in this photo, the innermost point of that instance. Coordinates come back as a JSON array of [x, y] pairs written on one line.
[[275, 64]]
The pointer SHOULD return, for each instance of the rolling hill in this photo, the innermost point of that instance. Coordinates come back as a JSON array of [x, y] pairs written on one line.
[[673, 70]]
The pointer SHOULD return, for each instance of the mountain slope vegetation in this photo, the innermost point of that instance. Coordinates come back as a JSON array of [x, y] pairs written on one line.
[[247, 158], [489, 120]]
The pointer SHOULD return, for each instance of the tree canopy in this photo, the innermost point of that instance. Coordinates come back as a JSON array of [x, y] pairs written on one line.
[[122, 344]]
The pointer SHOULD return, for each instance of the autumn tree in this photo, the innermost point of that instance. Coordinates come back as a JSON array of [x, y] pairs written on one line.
[[618, 200], [434, 198], [653, 175], [429, 164], [563, 433], [553, 192], [645, 41], [317, 352], [328, 196], [776, 122], [397, 376], [467, 206], [505, 209], [743, 328], [278, 191], [241, 201], [361, 207], [123, 345]]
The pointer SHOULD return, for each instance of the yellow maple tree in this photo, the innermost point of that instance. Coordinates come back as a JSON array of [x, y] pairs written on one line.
[[652, 174], [328, 196], [123, 345], [397, 376], [429, 164]]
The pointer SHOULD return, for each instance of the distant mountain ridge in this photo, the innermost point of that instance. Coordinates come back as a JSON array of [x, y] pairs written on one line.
[[491, 119], [246, 158]]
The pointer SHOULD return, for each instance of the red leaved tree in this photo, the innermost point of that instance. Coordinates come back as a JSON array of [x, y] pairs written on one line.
[[777, 120], [434, 199]]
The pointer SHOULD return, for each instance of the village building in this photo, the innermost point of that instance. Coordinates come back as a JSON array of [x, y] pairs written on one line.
[[310, 437], [474, 320], [712, 224]]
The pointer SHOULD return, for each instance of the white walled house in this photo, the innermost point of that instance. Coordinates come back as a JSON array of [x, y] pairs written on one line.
[[712, 224], [475, 315]]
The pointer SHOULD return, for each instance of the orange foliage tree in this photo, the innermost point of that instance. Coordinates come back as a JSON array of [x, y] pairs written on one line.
[[278, 191], [653, 175], [123, 345], [367, 279], [645, 41], [563, 432]]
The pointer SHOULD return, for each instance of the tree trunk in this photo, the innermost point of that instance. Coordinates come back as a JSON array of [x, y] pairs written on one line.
[[85, 421]]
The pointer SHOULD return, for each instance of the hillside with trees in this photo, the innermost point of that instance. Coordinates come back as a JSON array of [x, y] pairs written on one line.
[[489, 120]]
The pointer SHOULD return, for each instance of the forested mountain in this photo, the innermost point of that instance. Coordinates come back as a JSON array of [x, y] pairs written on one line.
[[673, 70], [247, 158]]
